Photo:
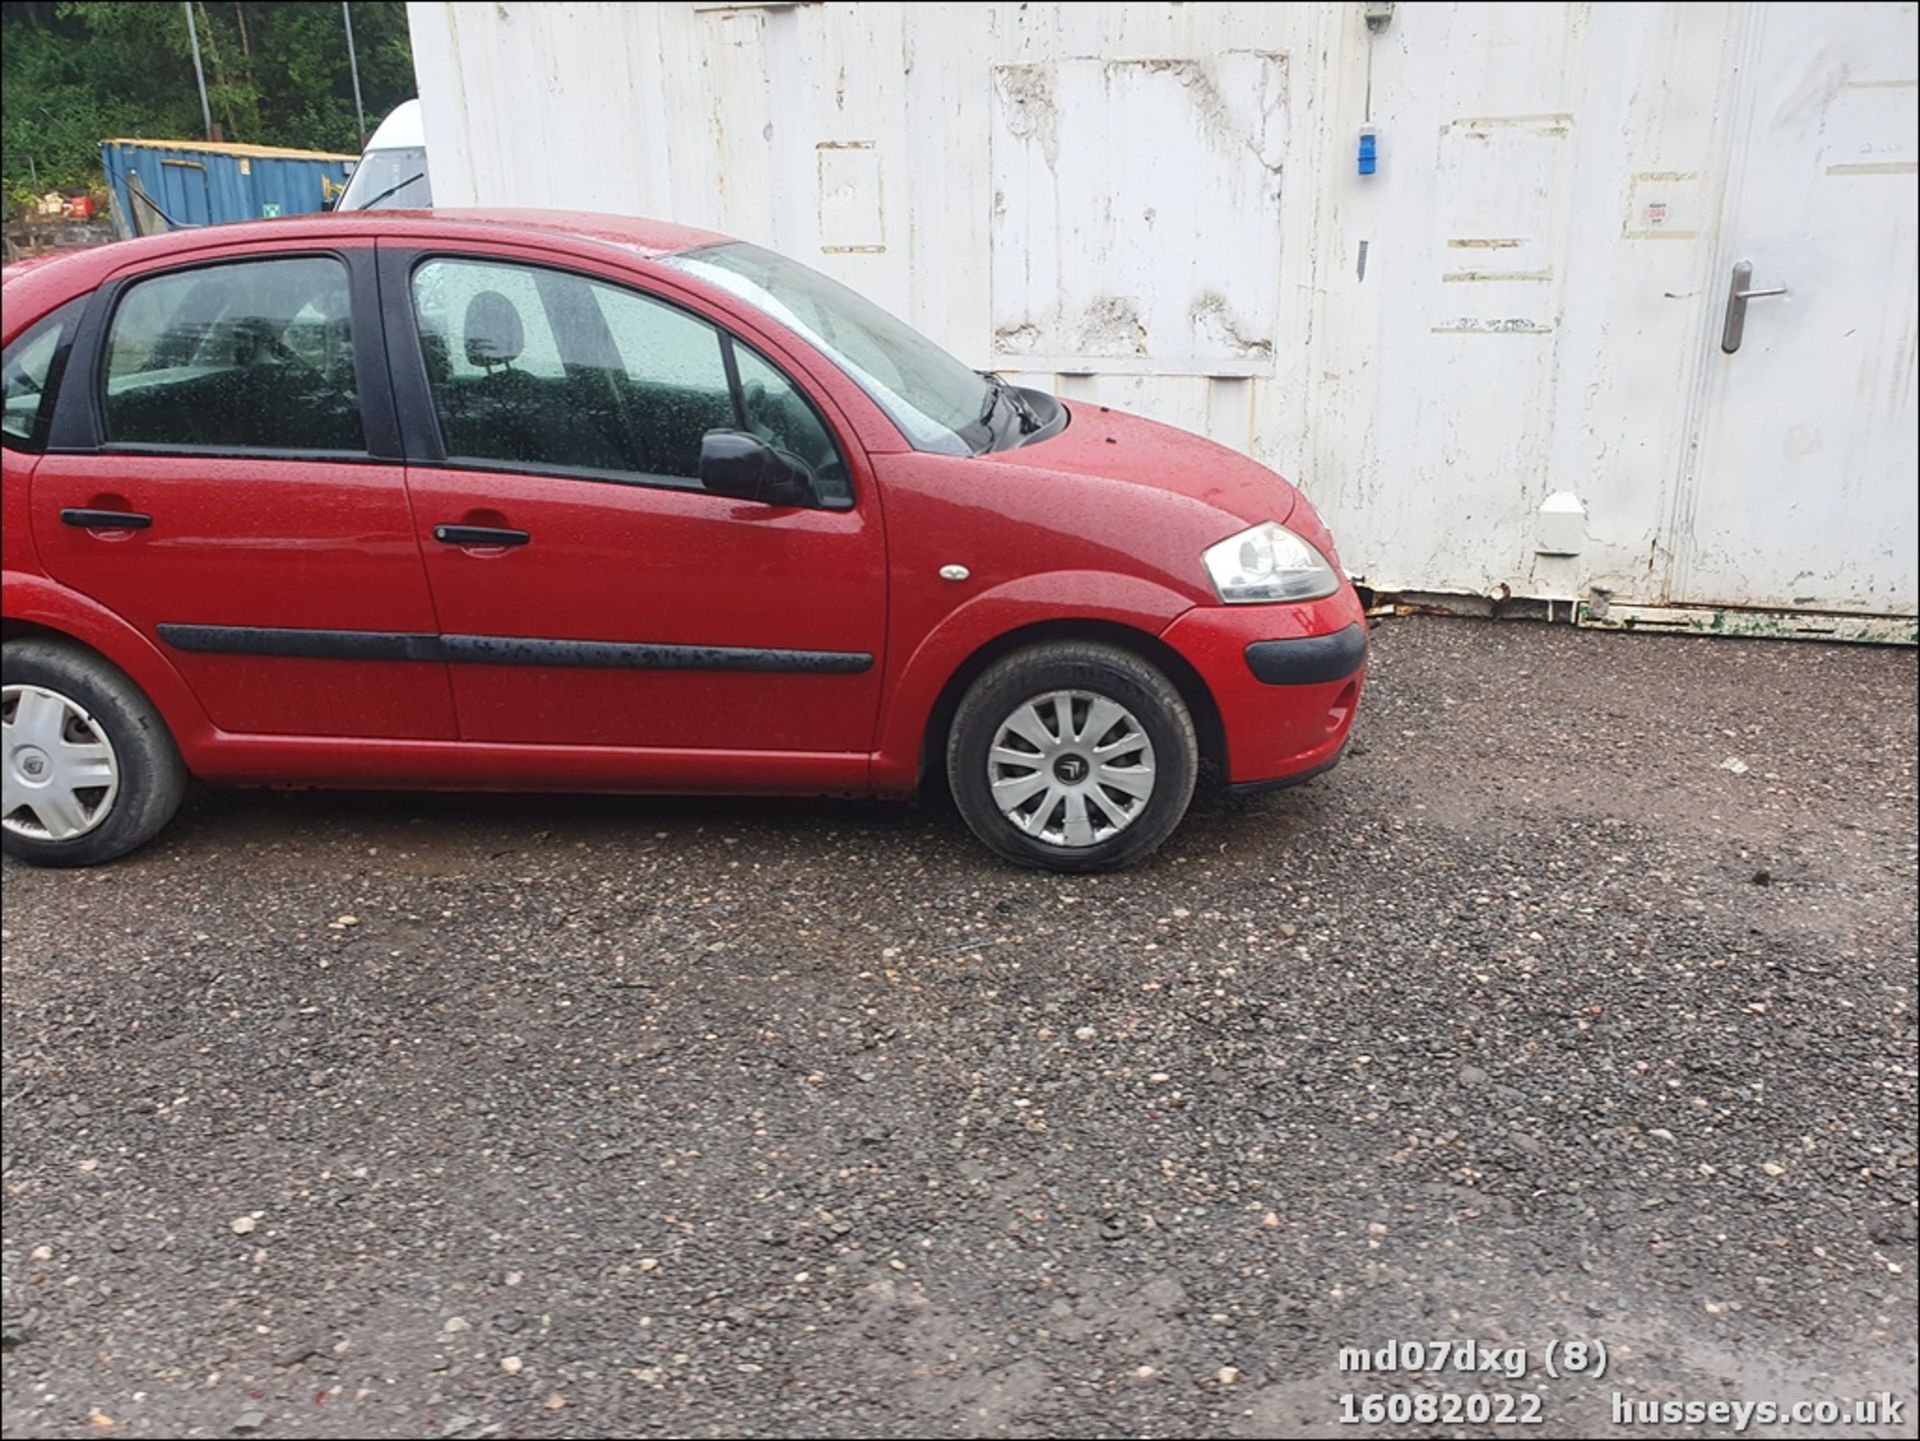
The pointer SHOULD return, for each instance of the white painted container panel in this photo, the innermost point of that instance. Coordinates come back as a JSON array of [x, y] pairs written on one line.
[[1117, 237], [1494, 365]]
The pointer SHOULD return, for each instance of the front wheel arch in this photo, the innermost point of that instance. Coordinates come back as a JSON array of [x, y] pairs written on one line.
[[1208, 727]]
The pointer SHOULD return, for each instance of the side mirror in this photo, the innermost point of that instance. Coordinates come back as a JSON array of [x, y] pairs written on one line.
[[747, 468]]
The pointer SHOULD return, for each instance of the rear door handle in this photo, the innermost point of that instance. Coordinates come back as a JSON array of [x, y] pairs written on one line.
[[478, 535], [105, 519]]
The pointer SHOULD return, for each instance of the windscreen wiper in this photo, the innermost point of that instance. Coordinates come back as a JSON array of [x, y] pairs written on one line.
[[393, 190], [999, 390], [1029, 417], [987, 412]]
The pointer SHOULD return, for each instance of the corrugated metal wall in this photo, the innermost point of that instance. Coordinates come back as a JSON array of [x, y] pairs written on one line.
[[211, 184], [1493, 364]]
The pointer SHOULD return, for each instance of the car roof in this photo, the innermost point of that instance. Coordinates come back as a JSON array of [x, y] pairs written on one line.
[[629, 232], [79, 270]]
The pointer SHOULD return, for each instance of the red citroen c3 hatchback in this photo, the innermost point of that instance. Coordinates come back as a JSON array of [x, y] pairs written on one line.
[[502, 500]]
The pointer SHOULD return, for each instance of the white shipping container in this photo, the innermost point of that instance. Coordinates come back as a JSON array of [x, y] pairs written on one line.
[[1496, 364]]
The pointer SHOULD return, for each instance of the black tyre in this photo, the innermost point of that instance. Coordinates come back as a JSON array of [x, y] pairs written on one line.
[[1072, 756], [90, 770]]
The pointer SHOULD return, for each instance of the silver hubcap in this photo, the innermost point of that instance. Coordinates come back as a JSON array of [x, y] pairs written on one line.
[[60, 773], [1071, 768]]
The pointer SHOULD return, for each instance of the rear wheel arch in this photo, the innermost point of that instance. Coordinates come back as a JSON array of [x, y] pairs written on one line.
[[14, 631], [96, 771], [11, 629], [39, 609], [1208, 727]]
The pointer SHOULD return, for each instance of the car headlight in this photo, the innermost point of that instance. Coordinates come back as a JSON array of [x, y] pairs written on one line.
[[1268, 563]]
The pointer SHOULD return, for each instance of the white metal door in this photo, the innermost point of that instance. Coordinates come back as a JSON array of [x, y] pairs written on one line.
[[1803, 497]]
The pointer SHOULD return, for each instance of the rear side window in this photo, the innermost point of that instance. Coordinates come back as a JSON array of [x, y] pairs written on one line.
[[539, 368], [28, 371], [251, 356]]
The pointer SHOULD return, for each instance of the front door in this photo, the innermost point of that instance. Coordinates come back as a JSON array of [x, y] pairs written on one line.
[[217, 491], [1804, 497], [590, 592]]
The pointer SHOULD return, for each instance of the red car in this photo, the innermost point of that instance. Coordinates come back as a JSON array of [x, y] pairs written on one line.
[[569, 502]]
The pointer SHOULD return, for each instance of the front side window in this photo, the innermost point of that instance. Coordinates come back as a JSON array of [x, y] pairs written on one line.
[[443, 297], [670, 378], [255, 356], [27, 372], [772, 408], [539, 368]]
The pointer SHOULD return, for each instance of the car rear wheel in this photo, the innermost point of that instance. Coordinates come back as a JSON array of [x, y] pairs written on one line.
[[1072, 756], [87, 766]]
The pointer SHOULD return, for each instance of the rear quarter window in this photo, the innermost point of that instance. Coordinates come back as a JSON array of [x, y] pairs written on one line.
[[30, 373]]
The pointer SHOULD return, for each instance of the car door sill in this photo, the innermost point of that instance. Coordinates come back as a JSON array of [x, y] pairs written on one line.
[[378, 763]]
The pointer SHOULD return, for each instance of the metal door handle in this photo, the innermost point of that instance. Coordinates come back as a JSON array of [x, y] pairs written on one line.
[[478, 535], [1737, 299]]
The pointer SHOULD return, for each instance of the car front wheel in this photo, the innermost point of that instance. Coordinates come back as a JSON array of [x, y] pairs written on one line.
[[87, 766], [1072, 756]]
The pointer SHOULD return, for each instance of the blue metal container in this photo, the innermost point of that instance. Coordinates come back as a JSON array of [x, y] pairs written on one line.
[[193, 182]]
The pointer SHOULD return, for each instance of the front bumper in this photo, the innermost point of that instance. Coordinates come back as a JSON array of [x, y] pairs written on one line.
[[1285, 678]]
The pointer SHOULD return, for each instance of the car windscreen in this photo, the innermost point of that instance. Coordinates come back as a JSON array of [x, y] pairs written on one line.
[[938, 403]]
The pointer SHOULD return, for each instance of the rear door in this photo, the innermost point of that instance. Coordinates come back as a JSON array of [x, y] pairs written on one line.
[[223, 474], [589, 590]]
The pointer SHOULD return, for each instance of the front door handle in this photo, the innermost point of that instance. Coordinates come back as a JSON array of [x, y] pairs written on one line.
[[1737, 297], [478, 535], [105, 519]]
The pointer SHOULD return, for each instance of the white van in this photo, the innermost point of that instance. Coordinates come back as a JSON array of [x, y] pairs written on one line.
[[392, 174]]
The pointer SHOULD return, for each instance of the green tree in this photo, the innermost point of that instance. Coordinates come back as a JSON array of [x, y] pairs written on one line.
[[77, 72]]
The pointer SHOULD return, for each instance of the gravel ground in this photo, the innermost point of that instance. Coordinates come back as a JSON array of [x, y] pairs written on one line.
[[1538, 1020]]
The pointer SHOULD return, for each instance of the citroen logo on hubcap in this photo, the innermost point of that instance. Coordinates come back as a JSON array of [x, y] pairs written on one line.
[[1070, 769]]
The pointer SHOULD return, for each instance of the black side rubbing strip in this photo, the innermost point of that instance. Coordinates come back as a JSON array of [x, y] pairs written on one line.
[[1310, 660], [505, 650], [301, 644], [626, 655]]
